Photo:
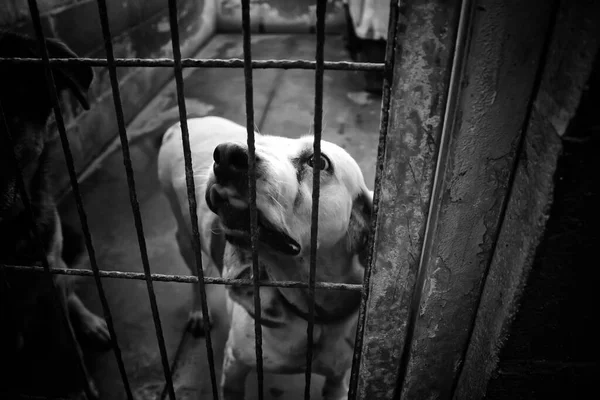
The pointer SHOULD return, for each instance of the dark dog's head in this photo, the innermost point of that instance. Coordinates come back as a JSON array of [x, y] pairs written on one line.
[[27, 105]]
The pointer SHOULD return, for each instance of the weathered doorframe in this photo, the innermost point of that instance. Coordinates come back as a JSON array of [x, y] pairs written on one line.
[[479, 103]]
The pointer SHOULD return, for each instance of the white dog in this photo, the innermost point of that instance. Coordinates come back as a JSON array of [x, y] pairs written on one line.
[[284, 171]]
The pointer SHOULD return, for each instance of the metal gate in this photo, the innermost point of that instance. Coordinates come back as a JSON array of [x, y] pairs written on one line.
[[462, 105]]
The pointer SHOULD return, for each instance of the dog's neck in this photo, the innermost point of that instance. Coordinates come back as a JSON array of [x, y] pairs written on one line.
[[333, 264]]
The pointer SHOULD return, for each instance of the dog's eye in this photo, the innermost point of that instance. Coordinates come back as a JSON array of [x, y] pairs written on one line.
[[322, 164]]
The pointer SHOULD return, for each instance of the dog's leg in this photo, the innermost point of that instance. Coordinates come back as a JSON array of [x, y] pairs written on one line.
[[196, 319], [233, 376], [64, 286], [63, 293], [72, 255], [335, 388], [87, 322]]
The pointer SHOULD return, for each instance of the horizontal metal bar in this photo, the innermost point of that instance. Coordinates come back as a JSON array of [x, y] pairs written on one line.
[[23, 396], [187, 278], [202, 63]]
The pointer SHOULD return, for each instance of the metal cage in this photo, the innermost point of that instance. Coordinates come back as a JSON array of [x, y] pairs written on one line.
[[430, 49], [319, 65]]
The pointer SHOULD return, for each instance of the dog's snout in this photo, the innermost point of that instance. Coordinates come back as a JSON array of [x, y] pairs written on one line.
[[231, 158]]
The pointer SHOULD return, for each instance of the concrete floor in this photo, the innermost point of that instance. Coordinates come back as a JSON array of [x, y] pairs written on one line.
[[283, 105]]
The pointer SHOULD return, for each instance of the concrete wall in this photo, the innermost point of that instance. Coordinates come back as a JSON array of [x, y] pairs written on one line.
[[139, 29], [550, 349], [540, 276]]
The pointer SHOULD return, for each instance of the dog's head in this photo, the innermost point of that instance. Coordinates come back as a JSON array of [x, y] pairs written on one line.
[[27, 105], [284, 172]]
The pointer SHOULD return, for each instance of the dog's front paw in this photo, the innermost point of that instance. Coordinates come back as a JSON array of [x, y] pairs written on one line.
[[196, 323], [95, 328]]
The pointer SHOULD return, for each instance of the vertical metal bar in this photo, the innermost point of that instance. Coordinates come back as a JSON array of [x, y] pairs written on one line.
[[103, 12], [383, 133], [132, 194], [191, 191], [42, 253], [314, 223], [252, 190], [35, 17]]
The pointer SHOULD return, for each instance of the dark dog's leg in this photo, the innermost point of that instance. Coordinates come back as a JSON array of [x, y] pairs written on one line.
[[73, 254], [63, 289], [233, 376], [88, 323], [195, 319]]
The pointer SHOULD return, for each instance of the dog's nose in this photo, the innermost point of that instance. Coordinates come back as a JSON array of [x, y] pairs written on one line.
[[231, 159]]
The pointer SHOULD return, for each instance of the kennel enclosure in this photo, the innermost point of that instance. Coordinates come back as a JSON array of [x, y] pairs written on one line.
[[477, 96]]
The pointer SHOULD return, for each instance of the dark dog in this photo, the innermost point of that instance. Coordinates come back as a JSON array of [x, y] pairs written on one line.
[[24, 131]]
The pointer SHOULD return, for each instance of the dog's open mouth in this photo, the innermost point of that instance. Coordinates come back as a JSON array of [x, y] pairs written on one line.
[[266, 234], [235, 218]]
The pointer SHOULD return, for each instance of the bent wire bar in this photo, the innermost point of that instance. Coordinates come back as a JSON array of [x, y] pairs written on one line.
[[191, 192], [371, 256], [102, 11], [189, 278], [133, 197], [178, 63], [314, 221], [202, 63], [252, 191]]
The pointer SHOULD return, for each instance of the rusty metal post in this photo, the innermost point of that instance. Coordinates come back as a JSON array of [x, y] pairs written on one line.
[[476, 169], [426, 33]]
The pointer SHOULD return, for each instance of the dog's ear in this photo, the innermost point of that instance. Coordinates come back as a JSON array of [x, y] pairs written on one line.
[[25, 85], [359, 225], [77, 78]]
